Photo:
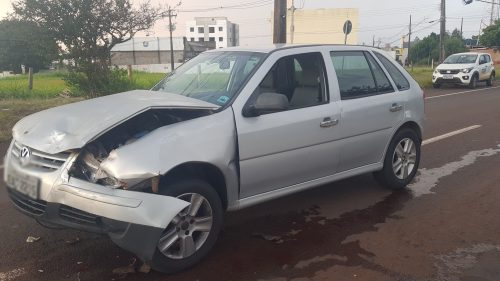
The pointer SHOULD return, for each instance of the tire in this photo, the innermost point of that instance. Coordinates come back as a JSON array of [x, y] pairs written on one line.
[[473, 82], [394, 178], [489, 82], [172, 259], [436, 85]]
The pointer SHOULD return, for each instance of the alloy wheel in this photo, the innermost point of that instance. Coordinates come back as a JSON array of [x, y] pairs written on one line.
[[189, 230], [404, 158]]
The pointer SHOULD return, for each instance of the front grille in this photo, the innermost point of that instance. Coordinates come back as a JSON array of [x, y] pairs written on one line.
[[77, 216], [451, 71], [31, 206], [40, 160]]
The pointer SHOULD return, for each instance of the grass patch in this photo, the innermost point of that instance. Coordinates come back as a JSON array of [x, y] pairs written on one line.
[[50, 85], [12, 110], [423, 76]]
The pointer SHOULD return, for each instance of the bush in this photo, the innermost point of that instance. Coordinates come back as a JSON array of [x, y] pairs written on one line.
[[109, 82]]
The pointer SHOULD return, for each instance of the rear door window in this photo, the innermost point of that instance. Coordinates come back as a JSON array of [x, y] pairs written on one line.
[[359, 75], [396, 75]]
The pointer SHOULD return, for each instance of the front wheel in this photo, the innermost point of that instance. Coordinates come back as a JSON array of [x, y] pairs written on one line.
[[401, 160], [436, 85], [193, 232], [473, 82]]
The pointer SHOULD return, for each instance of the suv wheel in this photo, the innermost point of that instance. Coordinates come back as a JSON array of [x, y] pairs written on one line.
[[473, 82], [401, 160], [489, 82], [436, 85], [193, 232]]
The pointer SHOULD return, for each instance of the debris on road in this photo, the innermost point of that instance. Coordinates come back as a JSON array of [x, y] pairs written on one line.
[[267, 237], [74, 241], [145, 268], [40, 270], [32, 239]]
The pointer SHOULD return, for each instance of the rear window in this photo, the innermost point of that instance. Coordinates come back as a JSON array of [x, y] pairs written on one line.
[[398, 77]]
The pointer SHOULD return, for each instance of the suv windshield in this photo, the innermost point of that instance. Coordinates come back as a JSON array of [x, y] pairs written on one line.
[[460, 59], [211, 77]]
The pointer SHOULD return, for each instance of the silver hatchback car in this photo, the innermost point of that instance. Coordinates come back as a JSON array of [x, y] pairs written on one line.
[[155, 170]]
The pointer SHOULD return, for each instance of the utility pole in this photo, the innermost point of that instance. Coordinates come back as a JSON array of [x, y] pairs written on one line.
[[373, 41], [492, 11], [292, 24], [171, 27], [462, 29], [279, 33], [442, 30], [409, 43]]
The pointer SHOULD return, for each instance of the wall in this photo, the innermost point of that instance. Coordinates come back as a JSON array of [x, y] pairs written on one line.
[[323, 26]]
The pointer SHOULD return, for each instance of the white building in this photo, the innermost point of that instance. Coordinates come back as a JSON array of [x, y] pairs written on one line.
[[218, 29]]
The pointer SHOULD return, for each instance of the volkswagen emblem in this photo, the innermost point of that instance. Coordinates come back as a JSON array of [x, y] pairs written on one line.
[[25, 155]]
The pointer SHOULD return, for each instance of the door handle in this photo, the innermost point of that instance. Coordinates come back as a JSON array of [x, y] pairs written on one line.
[[396, 107], [328, 122]]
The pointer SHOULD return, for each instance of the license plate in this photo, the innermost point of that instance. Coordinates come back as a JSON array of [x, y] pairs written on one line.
[[24, 184], [448, 76]]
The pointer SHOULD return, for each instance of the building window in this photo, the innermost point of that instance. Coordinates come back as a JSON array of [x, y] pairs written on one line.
[[201, 30], [211, 30], [221, 28], [201, 39], [192, 39], [212, 39], [221, 39], [191, 29]]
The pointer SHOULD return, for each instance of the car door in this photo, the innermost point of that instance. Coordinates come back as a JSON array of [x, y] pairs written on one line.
[[293, 146], [370, 107], [483, 68]]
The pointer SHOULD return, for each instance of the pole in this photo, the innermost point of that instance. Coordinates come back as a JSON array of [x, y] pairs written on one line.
[[462, 29], [409, 43], [292, 24], [373, 41], [30, 78], [171, 29], [479, 34], [492, 11], [442, 30], [279, 33], [159, 54]]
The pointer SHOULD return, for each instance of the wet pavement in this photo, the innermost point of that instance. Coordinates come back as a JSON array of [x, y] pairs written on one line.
[[443, 227]]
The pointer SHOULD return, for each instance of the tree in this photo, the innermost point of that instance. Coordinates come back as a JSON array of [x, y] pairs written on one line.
[[87, 30], [456, 33], [491, 35], [428, 48], [24, 43]]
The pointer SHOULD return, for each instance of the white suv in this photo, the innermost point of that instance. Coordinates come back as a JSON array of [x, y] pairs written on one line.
[[465, 69]]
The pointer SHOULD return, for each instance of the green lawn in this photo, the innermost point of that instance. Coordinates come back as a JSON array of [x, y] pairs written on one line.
[[50, 85]]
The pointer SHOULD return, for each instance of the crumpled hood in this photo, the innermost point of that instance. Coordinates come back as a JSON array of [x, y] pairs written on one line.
[[73, 125]]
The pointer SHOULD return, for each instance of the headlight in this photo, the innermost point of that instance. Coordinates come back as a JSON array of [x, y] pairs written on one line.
[[436, 71], [467, 70]]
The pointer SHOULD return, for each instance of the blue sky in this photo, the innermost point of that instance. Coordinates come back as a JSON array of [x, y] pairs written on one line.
[[387, 20]]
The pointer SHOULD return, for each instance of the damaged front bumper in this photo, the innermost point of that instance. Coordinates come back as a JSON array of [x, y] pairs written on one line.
[[133, 220]]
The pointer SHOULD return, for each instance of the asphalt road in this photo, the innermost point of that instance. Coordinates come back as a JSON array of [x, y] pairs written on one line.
[[445, 226]]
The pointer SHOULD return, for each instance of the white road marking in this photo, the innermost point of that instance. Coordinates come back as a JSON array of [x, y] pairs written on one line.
[[450, 134], [460, 93]]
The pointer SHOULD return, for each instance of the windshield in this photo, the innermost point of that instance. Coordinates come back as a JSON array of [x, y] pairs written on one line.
[[461, 59], [211, 77]]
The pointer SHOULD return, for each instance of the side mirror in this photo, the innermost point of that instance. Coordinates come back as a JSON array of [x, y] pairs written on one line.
[[267, 103]]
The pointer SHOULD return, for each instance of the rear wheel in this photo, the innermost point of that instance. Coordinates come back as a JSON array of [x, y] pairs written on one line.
[[193, 232], [489, 82], [401, 160]]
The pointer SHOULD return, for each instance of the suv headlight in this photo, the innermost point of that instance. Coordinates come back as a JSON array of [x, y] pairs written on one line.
[[467, 70]]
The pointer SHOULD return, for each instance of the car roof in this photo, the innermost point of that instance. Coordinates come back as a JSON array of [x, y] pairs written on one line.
[[471, 53], [271, 48]]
